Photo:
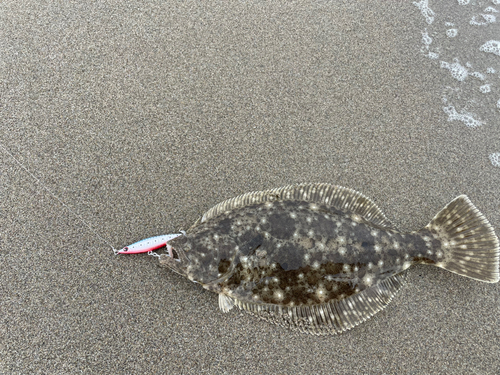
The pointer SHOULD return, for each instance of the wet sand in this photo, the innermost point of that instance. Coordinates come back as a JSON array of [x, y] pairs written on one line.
[[141, 116]]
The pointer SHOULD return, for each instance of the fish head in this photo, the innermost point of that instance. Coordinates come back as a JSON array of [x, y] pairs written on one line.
[[195, 256]]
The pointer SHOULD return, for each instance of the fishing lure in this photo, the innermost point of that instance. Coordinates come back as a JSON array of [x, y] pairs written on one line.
[[149, 244]]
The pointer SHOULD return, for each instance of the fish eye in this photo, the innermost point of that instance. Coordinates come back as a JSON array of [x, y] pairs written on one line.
[[125, 248]]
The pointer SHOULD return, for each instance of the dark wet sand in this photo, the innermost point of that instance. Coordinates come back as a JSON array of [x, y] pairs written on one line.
[[142, 115]]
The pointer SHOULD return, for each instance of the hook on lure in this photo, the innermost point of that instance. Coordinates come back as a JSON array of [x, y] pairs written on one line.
[[148, 245]]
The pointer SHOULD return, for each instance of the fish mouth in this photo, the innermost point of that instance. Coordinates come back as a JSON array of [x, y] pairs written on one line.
[[172, 253]]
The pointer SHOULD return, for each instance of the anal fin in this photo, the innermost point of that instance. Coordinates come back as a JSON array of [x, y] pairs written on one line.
[[332, 317]]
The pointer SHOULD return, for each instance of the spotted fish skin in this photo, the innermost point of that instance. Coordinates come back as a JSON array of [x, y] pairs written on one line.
[[299, 253], [321, 266]]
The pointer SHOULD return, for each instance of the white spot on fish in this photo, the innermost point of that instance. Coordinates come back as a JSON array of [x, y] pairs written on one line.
[[321, 293], [368, 279], [278, 295]]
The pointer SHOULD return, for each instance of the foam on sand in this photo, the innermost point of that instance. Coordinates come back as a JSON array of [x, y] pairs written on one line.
[[495, 159], [427, 12], [491, 46], [470, 92], [464, 116]]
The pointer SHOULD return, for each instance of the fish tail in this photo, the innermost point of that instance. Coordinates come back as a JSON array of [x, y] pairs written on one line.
[[469, 245]]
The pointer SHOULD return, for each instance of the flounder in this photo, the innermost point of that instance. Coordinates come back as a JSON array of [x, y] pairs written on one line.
[[321, 258]]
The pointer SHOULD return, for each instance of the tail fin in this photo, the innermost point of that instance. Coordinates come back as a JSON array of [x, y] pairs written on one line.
[[469, 244]]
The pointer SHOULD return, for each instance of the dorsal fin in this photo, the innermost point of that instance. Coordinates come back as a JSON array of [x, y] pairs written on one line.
[[339, 197], [327, 318]]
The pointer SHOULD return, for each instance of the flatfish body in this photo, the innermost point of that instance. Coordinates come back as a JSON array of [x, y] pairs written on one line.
[[322, 258]]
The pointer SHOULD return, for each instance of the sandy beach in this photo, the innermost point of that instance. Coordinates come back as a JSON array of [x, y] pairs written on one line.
[[140, 116]]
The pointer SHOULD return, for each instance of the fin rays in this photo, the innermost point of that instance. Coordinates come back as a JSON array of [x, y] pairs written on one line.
[[336, 196], [329, 318], [471, 247]]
